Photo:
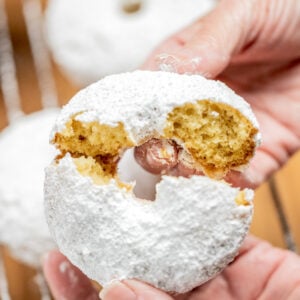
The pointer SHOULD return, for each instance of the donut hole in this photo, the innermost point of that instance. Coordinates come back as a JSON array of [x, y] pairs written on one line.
[[131, 6], [218, 137], [129, 171]]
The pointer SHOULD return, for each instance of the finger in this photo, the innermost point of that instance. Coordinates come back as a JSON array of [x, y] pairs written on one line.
[[157, 156], [275, 275], [249, 243], [185, 166], [165, 157], [248, 275], [259, 170], [207, 46], [285, 280], [65, 280], [184, 170], [132, 290]]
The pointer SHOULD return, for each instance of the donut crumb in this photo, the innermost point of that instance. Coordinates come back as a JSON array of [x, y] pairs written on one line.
[[241, 199], [88, 166], [100, 173]]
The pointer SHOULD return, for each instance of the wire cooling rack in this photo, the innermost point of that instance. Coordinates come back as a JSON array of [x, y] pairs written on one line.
[[32, 15]]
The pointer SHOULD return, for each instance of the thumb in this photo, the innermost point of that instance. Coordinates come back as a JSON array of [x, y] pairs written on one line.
[[206, 47], [132, 290]]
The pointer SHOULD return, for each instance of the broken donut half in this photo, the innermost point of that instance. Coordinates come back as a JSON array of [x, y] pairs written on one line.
[[196, 225]]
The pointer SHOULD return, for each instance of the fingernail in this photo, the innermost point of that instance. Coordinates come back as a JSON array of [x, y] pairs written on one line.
[[184, 63], [167, 62], [116, 290]]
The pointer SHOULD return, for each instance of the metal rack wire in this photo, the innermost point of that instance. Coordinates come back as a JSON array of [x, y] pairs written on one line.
[[4, 293], [32, 13]]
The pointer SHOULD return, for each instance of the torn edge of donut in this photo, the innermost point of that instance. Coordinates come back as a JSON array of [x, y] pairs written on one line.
[[215, 136], [215, 129]]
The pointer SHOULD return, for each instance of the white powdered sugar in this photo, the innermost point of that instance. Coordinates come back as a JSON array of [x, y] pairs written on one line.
[[194, 227], [190, 232], [24, 153], [94, 38], [119, 98]]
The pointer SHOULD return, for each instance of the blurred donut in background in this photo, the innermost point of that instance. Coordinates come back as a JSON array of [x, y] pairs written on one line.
[[25, 151], [93, 38]]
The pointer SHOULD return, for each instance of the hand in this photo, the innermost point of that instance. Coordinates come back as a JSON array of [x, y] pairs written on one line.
[[254, 47], [259, 272]]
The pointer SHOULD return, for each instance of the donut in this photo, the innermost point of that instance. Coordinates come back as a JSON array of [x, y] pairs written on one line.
[[25, 151], [98, 37], [195, 225]]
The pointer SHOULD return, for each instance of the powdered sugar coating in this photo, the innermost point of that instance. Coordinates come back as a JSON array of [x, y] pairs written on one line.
[[194, 227], [186, 236], [94, 38], [119, 98], [25, 152]]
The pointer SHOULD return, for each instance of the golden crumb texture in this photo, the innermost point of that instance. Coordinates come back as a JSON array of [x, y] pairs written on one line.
[[96, 148], [218, 137]]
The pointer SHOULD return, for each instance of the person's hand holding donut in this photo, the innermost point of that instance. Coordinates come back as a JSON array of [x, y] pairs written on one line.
[[259, 272], [254, 47]]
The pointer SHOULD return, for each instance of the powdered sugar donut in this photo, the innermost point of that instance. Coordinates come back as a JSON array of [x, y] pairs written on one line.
[[93, 38], [196, 225], [25, 152]]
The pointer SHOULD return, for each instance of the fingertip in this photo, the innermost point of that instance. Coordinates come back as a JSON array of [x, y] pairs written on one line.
[[182, 62], [51, 260], [146, 291], [117, 290], [65, 280], [132, 290], [207, 46], [249, 243], [169, 46], [188, 60], [194, 58]]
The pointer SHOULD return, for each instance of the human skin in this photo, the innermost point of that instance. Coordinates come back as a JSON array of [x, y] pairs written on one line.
[[259, 272], [254, 47]]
